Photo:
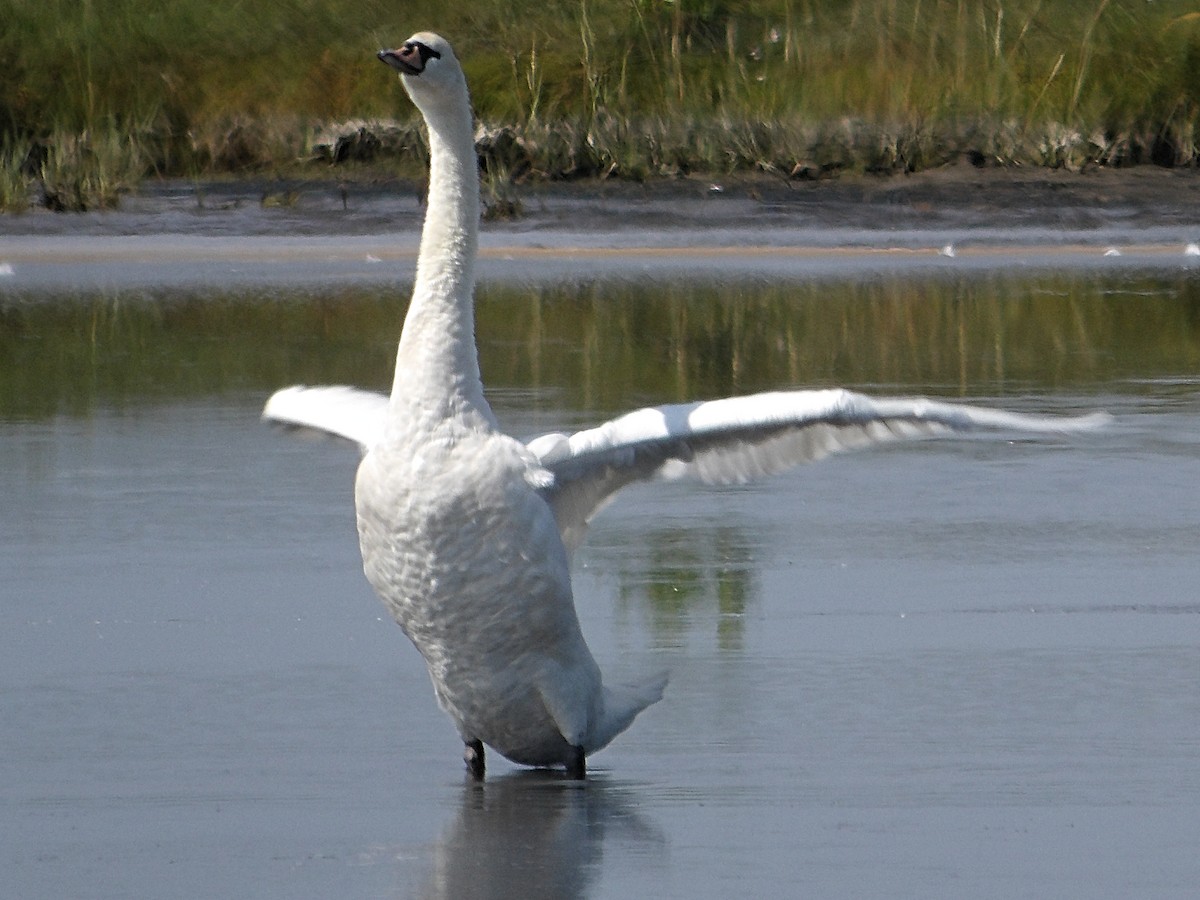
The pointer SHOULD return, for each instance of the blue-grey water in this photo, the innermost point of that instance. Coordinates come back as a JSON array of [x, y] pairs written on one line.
[[953, 668]]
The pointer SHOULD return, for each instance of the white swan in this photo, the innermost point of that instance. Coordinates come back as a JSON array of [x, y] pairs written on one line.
[[466, 532]]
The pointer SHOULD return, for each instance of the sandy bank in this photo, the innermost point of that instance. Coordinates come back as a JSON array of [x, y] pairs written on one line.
[[176, 233]]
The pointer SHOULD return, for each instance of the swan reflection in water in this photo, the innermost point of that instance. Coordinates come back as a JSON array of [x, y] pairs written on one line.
[[534, 833]]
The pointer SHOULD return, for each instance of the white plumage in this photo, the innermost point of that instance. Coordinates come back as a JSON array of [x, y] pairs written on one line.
[[466, 532]]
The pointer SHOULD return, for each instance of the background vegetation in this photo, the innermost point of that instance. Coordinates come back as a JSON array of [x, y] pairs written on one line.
[[96, 94]]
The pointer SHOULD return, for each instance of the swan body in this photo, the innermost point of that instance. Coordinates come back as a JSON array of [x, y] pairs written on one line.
[[466, 533]]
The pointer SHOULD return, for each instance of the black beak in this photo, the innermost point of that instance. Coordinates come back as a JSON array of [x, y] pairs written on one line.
[[409, 59]]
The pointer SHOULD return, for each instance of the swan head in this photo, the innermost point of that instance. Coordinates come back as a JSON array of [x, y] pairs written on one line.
[[428, 67]]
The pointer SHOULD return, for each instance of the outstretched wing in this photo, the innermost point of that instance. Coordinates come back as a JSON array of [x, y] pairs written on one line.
[[734, 440], [343, 412]]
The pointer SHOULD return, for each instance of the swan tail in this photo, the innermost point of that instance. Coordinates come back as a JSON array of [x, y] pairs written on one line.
[[622, 703]]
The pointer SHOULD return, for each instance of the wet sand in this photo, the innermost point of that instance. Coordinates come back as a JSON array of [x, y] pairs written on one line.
[[955, 197], [963, 219]]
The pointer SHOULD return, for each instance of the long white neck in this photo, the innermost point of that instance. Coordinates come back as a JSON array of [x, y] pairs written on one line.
[[437, 366]]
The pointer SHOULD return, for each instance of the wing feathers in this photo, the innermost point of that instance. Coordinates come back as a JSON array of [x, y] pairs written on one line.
[[344, 412], [719, 441], [737, 439]]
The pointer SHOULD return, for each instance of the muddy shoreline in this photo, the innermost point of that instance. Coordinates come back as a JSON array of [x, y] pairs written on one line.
[[954, 196], [961, 218]]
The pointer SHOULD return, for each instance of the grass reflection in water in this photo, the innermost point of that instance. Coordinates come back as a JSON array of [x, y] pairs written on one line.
[[599, 348]]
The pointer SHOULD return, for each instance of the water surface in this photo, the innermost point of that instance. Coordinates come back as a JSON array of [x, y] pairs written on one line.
[[948, 668]]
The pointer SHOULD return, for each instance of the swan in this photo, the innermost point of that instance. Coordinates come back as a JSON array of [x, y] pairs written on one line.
[[466, 533]]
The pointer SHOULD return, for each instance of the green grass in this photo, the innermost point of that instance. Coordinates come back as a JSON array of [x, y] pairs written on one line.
[[635, 88], [15, 179]]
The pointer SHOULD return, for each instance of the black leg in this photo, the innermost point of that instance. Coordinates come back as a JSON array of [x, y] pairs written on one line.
[[473, 757], [577, 764]]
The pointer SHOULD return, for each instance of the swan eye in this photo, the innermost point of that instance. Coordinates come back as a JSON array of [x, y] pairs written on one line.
[[423, 51]]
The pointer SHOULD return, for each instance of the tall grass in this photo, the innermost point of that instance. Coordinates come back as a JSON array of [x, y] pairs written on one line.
[[15, 178], [788, 85], [90, 170]]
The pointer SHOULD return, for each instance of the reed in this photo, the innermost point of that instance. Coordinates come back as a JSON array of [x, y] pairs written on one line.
[[15, 181], [88, 171], [638, 87]]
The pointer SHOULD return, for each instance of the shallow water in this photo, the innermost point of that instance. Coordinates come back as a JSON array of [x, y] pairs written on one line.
[[948, 668]]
